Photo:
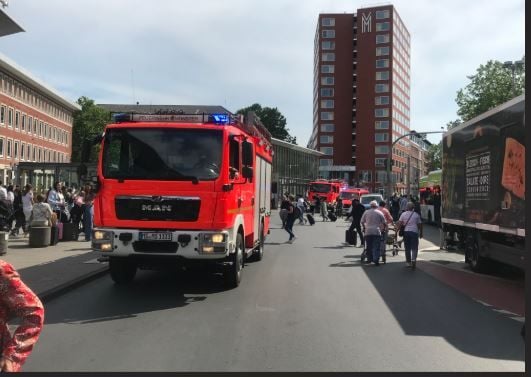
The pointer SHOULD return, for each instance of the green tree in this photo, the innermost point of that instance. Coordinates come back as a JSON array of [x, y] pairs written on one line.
[[491, 86], [273, 120], [88, 122], [433, 160], [453, 123]]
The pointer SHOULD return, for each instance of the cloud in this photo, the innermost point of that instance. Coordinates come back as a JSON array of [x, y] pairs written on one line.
[[238, 52]]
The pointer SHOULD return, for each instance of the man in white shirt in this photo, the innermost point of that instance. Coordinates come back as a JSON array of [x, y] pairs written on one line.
[[373, 222]]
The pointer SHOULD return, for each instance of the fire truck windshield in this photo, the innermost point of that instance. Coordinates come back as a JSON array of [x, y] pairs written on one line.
[[348, 195], [320, 187], [162, 154]]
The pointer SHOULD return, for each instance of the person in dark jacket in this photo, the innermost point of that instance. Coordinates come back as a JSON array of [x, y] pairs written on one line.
[[356, 211]]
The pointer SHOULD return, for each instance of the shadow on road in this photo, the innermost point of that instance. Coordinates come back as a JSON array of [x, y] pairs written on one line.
[[417, 301], [151, 291]]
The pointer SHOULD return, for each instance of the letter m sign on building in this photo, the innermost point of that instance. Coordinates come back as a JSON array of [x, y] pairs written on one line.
[[366, 23]]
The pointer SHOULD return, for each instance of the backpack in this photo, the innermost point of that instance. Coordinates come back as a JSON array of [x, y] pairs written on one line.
[[296, 211]]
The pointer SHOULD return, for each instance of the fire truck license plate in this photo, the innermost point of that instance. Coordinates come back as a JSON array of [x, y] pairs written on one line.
[[155, 236]]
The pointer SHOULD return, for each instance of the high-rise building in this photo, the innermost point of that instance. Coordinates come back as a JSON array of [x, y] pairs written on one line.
[[361, 96]]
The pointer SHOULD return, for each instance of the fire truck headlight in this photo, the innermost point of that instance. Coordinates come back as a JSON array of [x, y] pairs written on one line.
[[100, 235], [106, 246], [212, 243]]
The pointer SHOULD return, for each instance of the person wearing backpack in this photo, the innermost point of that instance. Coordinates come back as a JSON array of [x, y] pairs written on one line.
[[299, 211], [290, 219]]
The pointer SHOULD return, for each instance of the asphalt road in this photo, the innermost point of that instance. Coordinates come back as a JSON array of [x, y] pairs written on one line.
[[308, 306]]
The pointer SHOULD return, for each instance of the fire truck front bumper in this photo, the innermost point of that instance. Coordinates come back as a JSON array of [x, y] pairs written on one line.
[[184, 244]]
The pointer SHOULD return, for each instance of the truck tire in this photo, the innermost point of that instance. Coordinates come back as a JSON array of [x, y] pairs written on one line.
[[122, 270], [233, 272], [259, 253], [472, 254]]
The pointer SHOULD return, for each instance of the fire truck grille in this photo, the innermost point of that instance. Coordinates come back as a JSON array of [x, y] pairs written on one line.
[[155, 247], [157, 209]]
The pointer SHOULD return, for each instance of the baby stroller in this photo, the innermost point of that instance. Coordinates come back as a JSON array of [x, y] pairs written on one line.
[[394, 240]]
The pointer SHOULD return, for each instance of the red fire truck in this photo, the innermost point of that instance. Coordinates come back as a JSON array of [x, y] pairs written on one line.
[[323, 188], [180, 190]]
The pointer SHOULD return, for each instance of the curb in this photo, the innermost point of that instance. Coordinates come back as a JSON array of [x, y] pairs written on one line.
[[52, 293]]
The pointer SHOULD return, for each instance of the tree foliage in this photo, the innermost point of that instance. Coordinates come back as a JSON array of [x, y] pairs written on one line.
[[88, 122], [491, 86], [273, 120], [434, 156]]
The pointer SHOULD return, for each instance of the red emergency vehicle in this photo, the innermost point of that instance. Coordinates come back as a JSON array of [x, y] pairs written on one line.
[[323, 188], [348, 194], [178, 189]]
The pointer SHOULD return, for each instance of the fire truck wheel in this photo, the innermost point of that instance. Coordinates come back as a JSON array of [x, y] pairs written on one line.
[[259, 253], [122, 270], [233, 271]]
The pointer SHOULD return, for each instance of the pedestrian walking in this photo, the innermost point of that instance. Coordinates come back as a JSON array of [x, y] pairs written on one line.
[[88, 213], [283, 213], [290, 219], [373, 223], [356, 211], [27, 206], [402, 205], [18, 212], [339, 207], [301, 211], [317, 205], [324, 210], [388, 223], [3, 192], [412, 224], [395, 206], [17, 301]]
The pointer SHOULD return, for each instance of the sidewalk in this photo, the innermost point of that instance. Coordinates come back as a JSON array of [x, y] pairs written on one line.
[[52, 270]]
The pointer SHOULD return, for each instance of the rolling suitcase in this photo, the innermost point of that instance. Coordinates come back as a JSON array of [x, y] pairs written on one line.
[[332, 216], [69, 231], [54, 237], [350, 237], [310, 218]]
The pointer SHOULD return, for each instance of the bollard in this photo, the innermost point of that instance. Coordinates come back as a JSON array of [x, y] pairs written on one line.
[[39, 236], [4, 238]]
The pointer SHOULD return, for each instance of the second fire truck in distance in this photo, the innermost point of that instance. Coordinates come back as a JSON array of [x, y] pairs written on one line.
[[178, 190]]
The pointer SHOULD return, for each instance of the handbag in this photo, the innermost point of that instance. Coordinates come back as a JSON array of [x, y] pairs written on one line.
[[402, 227]]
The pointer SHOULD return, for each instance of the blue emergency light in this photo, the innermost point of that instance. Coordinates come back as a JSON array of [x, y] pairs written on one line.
[[220, 118]]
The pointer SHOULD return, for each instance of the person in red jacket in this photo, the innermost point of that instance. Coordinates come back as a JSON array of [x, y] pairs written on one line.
[[17, 300]]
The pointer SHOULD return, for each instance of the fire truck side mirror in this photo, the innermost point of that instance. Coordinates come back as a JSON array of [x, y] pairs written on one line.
[[247, 172], [247, 153]]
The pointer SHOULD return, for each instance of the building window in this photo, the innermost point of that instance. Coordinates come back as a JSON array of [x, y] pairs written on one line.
[[328, 80], [327, 127], [326, 162], [382, 26], [328, 34], [22, 150], [329, 151], [381, 137], [382, 63], [327, 68], [10, 118], [381, 88], [382, 124], [17, 119], [35, 121], [23, 125], [381, 51], [381, 149], [9, 146], [328, 45], [381, 113], [34, 154], [328, 22], [382, 75], [16, 149], [382, 38], [2, 115], [327, 92], [326, 139], [327, 115], [1, 146], [382, 100], [379, 162], [28, 152], [382, 14], [327, 104], [329, 57]]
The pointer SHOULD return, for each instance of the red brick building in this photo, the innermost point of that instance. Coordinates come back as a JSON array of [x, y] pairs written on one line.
[[361, 96], [35, 123]]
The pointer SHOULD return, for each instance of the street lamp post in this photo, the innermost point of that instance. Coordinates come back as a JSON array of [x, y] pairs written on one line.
[[421, 134], [518, 64]]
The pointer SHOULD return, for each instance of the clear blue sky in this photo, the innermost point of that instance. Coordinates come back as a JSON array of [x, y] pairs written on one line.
[[237, 52]]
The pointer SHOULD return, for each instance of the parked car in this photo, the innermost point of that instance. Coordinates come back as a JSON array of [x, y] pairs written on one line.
[[367, 198]]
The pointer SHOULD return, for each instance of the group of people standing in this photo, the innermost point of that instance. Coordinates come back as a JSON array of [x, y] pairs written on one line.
[[60, 202]]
